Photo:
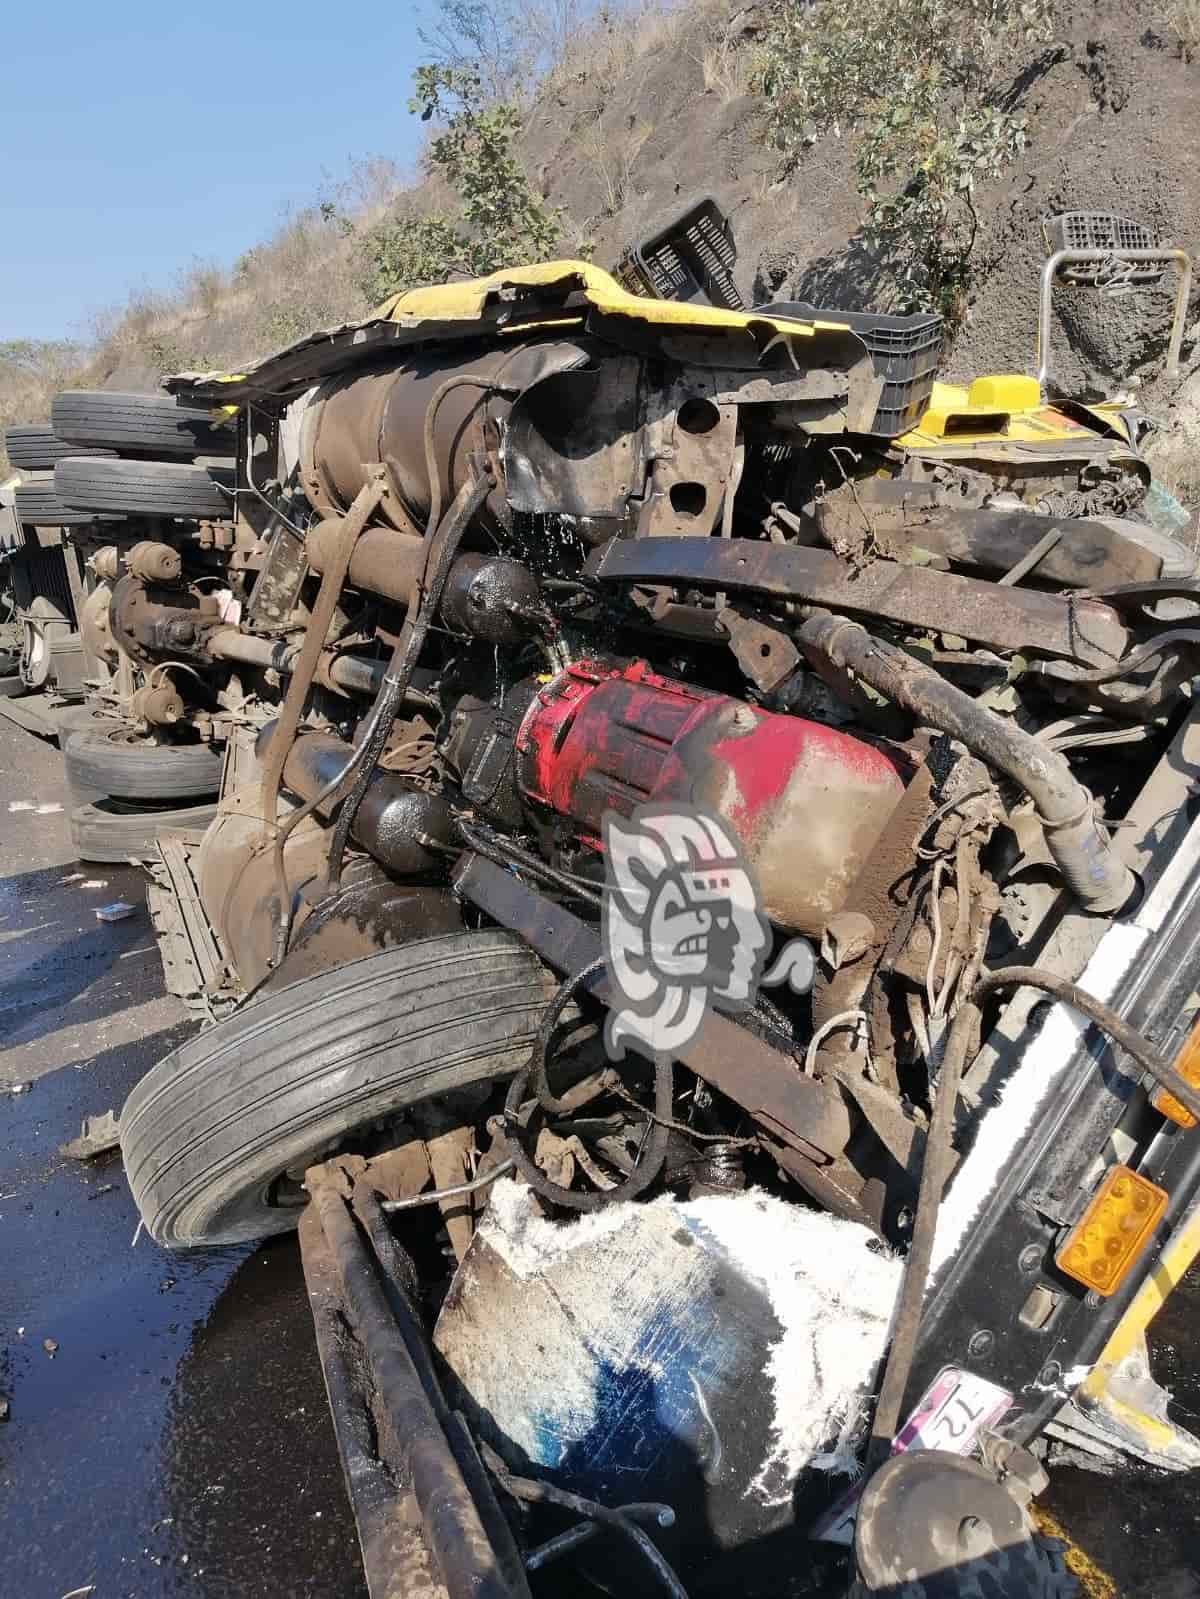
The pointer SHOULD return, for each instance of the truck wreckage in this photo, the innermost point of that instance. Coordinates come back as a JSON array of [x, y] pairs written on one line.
[[576, 647]]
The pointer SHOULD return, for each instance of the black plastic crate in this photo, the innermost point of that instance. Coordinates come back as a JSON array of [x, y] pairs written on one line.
[[906, 350], [691, 259], [1102, 230]]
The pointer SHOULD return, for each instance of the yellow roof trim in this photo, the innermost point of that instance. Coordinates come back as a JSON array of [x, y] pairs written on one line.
[[466, 301]]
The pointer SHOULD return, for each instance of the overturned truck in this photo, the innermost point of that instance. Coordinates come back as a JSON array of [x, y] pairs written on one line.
[[702, 900]]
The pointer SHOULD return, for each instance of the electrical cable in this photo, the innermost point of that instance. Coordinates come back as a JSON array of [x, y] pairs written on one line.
[[654, 1153], [460, 380], [441, 548], [1134, 1043], [436, 1195], [532, 1492]]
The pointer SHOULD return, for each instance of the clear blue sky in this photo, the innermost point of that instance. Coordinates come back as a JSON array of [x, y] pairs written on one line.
[[137, 137]]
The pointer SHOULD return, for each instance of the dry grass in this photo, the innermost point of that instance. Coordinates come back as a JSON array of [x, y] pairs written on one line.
[[611, 157], [729, 65], [1184, 17], [31, 372]]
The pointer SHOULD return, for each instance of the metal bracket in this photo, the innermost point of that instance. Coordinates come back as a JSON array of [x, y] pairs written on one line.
[[1066, 258]]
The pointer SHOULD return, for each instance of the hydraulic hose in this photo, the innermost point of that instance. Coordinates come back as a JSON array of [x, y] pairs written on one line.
[[1093, 870], [1135, 1045], [655, 1151], [443, 546]]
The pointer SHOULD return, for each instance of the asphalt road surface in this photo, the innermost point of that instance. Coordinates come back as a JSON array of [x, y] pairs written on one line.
[[175, 1440], [167, 1433]]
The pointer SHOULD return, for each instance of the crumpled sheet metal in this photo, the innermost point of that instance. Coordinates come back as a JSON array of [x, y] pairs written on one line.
[[704, 1352], [482, 306]]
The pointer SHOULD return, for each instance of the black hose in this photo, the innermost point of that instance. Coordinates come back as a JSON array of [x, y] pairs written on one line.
[[1135, 1045], [535, 1492], [541, 1044], [439, 557], [1110, 674], [1083, 853], [653, 1155]]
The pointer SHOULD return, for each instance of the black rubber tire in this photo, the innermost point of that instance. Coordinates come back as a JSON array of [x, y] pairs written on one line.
[[144, 488], [32, 449], [208, 1132], [11, 685], [112, 832], [117, 762], [1179, 562], [1035, 1570], [139, 424], [38, 505]]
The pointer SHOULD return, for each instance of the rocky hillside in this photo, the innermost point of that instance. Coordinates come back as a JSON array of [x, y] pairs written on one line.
[[657, 107]]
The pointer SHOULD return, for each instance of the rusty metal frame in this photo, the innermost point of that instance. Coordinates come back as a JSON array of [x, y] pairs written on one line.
[[1020, 620], [803, 1113], [429, 1524], [1183, 288]]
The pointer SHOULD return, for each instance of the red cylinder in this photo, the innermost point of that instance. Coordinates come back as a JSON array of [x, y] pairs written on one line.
[[806, 802]]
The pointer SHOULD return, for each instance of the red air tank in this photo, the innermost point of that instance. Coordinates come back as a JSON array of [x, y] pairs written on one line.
[[807, 802]]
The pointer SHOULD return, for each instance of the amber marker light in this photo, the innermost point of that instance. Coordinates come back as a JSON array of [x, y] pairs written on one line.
[[1187, 1064], [1104, 1244]]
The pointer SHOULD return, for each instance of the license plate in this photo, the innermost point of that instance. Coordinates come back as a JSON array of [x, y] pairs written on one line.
[[956, 1407]]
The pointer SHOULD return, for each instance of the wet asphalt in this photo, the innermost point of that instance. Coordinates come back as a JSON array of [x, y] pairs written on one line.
[[166, 1431], [175, 1440]]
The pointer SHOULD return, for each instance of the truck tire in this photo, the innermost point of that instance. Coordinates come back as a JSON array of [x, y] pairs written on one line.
[[139, 424], [38, 505], [217, 1136], [117, 762], [114, 831], [1178, 561], [33, 449], [143, 488], [1036, 1570]]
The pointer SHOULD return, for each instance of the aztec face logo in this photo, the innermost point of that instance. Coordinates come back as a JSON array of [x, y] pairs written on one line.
[[682, 929]]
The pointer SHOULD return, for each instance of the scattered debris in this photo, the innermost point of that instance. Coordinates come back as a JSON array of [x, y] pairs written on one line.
[[95, 882], [50, 1345], [4, 1409], [97, 1136], [81, 1593], [19, 1088], [116, 912]]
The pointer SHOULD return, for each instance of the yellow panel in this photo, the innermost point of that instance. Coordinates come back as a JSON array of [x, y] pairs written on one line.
[[1005, 391], [455, 302], [1102, 1247]]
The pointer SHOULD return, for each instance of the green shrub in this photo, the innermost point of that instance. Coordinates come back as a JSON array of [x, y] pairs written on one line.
[[926, 89], [500, 222]]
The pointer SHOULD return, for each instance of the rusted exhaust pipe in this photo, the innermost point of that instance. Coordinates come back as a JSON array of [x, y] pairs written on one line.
[[400, 825], [1091, 867]]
